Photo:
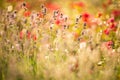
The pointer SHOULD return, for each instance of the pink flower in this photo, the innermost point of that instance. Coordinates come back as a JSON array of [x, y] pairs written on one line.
[[111, 20], [109, 44], [116, 13]]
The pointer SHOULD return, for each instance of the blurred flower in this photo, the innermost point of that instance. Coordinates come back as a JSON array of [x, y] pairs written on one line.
[[76, 35], [109, 2], [77, 4], [83, 45], [10, 8], [28, 35], [111, 20], [40, 15], [107, 31], [85, 17], [109, 44], [116, 13], [52, 6], [113, 27], [21, 35], [34, 37], [28, 5], [27, 13], [57, 22], [99, 14]]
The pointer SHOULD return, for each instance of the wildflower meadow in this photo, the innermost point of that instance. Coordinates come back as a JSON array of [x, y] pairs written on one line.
[[59, 39]]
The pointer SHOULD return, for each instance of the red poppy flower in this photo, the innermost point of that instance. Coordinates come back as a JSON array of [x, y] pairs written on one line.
[[106, 31], [40, 15], [112, 26], [27, 13], [57, 22], [34, 37], [85, 17], [52, 6]]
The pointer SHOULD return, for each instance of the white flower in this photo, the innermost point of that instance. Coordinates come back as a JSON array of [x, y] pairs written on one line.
[[82, 45], [10, 8]]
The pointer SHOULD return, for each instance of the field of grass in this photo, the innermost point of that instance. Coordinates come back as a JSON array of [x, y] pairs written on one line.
[[59, 40]]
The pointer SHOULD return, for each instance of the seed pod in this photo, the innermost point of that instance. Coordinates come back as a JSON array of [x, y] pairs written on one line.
[[24, 4], [61, 15], [84, 25], [66, 19], [80, 16], [42, 6], [64, 26], [77, 20]]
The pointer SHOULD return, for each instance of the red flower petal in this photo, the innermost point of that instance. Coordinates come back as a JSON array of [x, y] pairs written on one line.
[[85, 16], [21, 35], [34, 37], [57, 22], [106, 31]]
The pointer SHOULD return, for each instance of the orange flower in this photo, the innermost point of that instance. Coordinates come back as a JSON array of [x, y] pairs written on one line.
[[111, 20], [77, 4], [99, 14], [27, 13], [28, 5], [34, 37], [76, 35], [52, 6], [40, 15], [113, 27]]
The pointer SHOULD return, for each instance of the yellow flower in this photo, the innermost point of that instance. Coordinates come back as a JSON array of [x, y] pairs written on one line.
[[10, 8]]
